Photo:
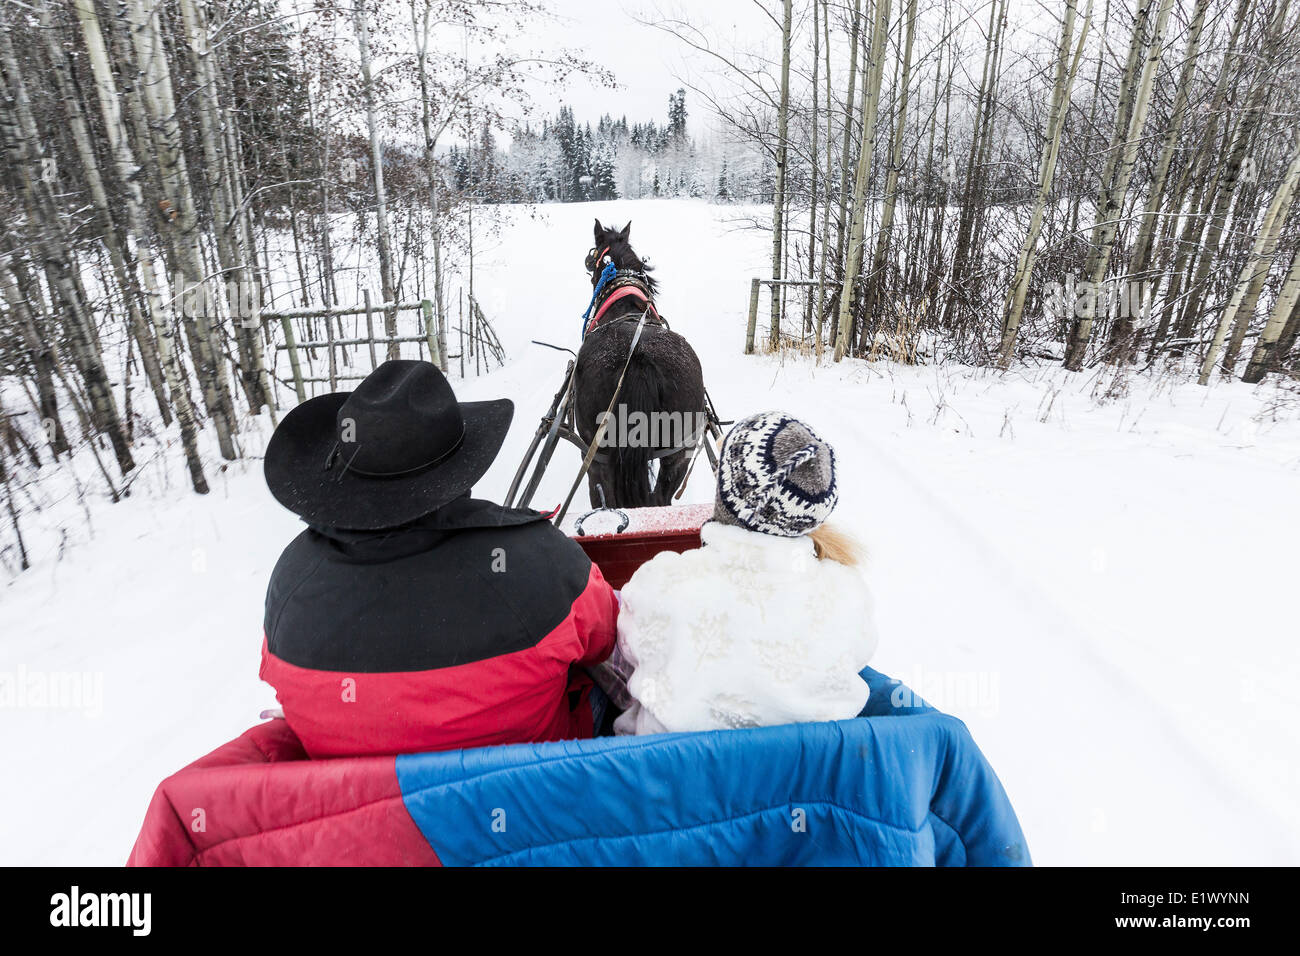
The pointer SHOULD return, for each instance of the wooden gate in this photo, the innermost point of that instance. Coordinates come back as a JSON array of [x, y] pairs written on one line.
[[326, 332]]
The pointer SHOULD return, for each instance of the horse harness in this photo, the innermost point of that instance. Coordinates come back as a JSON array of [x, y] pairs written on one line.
[[693, 439], [625, 284]]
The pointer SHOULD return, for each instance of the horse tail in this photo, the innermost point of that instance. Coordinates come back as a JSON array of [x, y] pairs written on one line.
[[641, 393]]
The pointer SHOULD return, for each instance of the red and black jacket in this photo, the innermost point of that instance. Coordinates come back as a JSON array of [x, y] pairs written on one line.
[[466, 628]]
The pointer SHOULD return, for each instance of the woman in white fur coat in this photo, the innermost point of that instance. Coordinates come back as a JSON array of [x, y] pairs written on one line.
[[769, 622]]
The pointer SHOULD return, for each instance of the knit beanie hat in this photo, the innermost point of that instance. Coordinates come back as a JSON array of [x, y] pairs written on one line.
[[775, 476]]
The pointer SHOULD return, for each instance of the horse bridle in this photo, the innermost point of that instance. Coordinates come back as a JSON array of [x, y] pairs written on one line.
[[593, 261], [593, 265]]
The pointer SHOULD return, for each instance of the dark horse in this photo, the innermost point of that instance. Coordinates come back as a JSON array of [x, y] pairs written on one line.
[[660, 410]]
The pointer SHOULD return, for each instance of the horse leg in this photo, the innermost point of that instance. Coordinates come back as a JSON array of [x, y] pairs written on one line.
[[672, 471], [600, 474]]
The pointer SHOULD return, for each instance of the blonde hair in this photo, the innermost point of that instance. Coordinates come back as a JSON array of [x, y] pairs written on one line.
[[832, 544]]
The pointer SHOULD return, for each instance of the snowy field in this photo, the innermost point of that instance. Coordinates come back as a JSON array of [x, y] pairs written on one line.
[[1104, 592]]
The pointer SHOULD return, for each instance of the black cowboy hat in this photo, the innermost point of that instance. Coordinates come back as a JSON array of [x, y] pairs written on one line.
[[397, 448]]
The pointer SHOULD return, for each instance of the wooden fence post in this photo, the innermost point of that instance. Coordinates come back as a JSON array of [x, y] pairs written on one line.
[[390, 322], [426, 307], [370, 327], [474, 334], [329, 342], [753, 316], [289, 340], [442, 338], [778, 312]]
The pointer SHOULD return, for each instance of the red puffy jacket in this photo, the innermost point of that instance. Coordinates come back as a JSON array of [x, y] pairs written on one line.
[[466, 628]]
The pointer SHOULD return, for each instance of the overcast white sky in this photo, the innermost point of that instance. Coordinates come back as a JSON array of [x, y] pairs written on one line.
[[646, 61], [650, 63]]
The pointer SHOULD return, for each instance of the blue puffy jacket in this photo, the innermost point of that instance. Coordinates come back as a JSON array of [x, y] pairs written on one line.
[[898, 786]]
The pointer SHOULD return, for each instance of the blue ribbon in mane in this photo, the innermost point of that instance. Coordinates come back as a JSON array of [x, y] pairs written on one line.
[[606, 274]]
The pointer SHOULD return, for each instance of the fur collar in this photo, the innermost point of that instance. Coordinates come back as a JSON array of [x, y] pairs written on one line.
[[735, 545]]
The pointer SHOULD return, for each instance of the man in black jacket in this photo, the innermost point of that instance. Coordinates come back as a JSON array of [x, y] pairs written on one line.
[[410, 616]]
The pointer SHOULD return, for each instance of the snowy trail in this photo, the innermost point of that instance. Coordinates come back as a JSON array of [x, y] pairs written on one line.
[[1120, 660], [1111, 770], [1098, 768], [1102, 722]]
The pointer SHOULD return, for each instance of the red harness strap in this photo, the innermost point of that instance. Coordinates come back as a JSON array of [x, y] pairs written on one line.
[[623, 293]]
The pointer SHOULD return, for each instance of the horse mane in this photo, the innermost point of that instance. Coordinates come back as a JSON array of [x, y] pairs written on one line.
[[620, 250]]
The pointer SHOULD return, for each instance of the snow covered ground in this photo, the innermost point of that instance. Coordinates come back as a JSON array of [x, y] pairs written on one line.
[[1104, 592]]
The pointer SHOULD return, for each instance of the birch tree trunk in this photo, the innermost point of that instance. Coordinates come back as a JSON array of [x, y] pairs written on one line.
[[934, 261], [1066, 70], [1111, 204], [432, 178], [1290, 332], [321, 159], [782, 150], [870, 102], [1178, 112], [1199, 242], [841, 223], [830, 159], [1123, 331], [40, 353], [140, 330], [981, 131], [22, 144], [253, 345], [182, 219], [1213, 224], [812, 162], [1211, 194], [377, 174], [918, 232], [1261, 258], [221, 182], [984, 161], [876, 276], [1263, 359], [137, 239]]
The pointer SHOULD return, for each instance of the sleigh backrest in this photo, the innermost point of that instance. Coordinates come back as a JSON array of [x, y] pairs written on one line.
[[649, 531], [901, 785]]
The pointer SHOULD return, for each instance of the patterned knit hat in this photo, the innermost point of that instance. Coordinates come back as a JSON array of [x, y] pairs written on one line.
[[775, 476]]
